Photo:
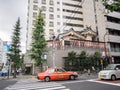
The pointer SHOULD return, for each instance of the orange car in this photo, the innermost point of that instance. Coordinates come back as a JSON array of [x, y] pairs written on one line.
[[56, 74]]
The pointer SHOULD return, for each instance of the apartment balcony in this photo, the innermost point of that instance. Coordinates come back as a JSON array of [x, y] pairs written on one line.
[[113, 25], [114, 38]]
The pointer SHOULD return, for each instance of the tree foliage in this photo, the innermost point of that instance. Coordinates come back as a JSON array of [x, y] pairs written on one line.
[[112, 6], [39, 44], [14, 54], [71, 60], [83, 61]]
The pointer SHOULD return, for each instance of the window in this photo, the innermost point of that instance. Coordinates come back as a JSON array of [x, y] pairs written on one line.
[[44, 15], [51, 16], [58, 2], [35, 7], [43, 8], [58, 23], [43, 1], [51, 9], [58, 30], [35, 1], [58, 9], [118, 66], [115, 47], [58, 16], [34, 14], [51, 24], [113, 19], [51, 31], [33, 22], [51, 2]]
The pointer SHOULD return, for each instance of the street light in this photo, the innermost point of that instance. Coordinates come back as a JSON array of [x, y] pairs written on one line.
[[105, 47], [105, 43]]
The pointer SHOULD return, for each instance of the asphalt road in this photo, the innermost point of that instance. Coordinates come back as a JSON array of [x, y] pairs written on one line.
[[78, 84], [86, 85], [5, 83]]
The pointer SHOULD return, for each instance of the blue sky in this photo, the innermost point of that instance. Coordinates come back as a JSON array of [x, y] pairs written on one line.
[[10, 10]]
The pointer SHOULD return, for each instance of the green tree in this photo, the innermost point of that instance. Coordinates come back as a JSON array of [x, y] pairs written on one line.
[[70, 61], [14, 54], [83, 60], [39, 44], [114, 6], [97, 60]]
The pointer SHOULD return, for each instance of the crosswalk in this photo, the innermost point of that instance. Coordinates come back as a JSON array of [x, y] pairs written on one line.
[[36, 85]]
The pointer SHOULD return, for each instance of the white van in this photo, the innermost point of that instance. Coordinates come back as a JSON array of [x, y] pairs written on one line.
[[112, 71]]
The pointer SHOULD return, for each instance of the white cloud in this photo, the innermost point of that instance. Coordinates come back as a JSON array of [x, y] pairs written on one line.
[[10, 10]]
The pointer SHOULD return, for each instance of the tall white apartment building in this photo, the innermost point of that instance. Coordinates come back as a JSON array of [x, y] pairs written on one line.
[[113, 33], [61, 15], [3, 57]]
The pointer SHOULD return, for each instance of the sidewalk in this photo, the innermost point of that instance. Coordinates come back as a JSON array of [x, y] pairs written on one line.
[[86, 76], [18, 77], [81, 76]]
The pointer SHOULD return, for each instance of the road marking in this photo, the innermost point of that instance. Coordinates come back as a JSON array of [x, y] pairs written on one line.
[[36, 85], [118, 84], [68, 82]]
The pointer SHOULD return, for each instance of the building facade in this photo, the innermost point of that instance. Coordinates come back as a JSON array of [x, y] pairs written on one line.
[[3, 57], [62, 15], [113, 34]]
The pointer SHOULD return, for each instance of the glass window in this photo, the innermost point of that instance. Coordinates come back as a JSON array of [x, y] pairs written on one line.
[[43, 8], [34, 14], [33, 22], [43, 1], [58, 2], [58, 23], [51, 2], [51, 16], [35, 1], [35, 7], [118, 66], [58, 16], [51, 31], [58, 9], [51, 9], [51, 24]]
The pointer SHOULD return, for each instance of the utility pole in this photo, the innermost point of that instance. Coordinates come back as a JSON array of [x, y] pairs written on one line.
[[53, 51]]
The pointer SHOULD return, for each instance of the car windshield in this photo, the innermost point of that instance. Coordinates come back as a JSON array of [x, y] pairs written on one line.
[[110, 67]]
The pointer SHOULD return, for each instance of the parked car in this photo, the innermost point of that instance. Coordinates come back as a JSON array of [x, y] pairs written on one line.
[[3, 73], [56, 74], [112, 71]]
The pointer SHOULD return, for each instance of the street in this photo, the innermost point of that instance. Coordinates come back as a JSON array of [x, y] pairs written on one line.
[[80, 84]]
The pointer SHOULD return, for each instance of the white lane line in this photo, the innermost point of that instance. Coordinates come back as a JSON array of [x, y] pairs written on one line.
[[116, 84], [33, 86], [72, 82], [53, 88]]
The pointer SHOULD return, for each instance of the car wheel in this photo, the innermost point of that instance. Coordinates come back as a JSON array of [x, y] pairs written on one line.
[[72, 77], [113, 77], [47, 79]]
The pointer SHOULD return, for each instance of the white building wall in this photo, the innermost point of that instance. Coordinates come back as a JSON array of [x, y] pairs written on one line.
[[89, 14], [59, 20], [3, 56], [101, 20]]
